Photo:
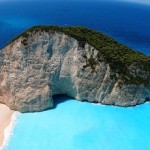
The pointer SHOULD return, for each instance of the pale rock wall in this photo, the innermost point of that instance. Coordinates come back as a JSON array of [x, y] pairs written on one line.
[[54, 63]]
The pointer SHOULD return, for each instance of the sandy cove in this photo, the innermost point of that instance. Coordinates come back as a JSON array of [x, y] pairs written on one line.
[[5, 120]]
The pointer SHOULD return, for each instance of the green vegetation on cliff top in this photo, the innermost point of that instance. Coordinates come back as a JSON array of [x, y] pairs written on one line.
[[117, 55]]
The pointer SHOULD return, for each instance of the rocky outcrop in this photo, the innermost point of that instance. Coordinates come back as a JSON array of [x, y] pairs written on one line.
[[35, 68]]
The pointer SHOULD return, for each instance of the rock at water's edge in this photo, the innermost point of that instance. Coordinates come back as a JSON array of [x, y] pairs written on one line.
[[35, 68]]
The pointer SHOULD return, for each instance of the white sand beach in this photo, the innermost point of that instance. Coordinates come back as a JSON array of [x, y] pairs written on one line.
[[5, 120]]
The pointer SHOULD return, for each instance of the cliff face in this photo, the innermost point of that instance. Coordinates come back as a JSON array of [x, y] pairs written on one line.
[[34, 69]]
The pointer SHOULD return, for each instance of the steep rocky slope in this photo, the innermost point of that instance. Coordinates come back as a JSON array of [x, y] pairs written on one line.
[[45, 61]]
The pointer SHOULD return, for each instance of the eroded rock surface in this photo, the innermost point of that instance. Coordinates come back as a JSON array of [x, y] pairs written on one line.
[[32, 70]]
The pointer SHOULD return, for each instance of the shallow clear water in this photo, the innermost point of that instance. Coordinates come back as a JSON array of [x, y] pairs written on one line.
[[75, 125]]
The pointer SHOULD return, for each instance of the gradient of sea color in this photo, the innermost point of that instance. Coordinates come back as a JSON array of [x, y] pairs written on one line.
[[129, 23], [75, 125]]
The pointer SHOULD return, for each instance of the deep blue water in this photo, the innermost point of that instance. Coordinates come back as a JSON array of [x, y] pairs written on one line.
[[73, 125], [127, 22]]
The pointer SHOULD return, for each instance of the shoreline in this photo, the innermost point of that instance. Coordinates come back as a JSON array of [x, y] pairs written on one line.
[[8, 120]]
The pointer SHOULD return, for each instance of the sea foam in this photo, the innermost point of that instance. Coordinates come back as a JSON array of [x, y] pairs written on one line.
[[8, 132]]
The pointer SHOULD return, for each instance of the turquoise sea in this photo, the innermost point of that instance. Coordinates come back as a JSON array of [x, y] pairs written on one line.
[[74, 125]]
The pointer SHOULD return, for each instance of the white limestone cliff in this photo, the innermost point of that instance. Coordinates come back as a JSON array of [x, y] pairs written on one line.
[[54, 63]]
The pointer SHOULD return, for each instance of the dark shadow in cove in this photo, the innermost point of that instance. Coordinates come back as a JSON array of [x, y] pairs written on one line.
[[60, 98]]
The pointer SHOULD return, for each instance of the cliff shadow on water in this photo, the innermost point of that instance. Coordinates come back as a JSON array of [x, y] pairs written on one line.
[[60, 98]]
